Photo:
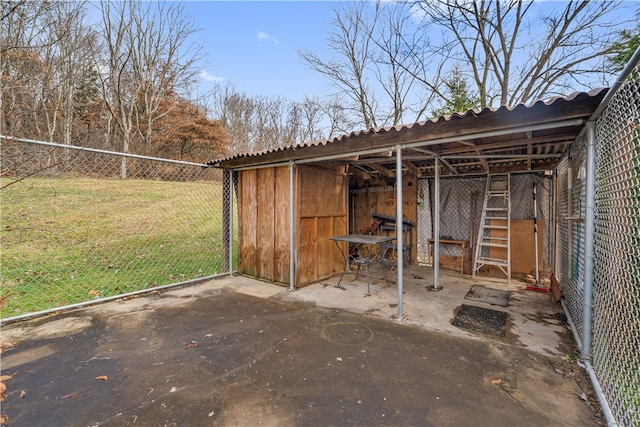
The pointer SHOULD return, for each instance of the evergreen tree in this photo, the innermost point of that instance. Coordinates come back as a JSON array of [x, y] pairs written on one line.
[[623, 49], [457, 96]]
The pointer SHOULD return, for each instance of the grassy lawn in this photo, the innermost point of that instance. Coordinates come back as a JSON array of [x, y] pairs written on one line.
[[71, 240]]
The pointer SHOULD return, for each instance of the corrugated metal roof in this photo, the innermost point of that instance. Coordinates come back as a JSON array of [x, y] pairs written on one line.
[[458, 130]]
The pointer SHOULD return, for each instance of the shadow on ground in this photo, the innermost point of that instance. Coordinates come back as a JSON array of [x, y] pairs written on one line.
[[216, 354]]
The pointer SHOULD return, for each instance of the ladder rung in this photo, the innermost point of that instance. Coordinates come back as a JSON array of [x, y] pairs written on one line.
[[500, 239], [496, 209], [504, 218], [495, 227], [494, 245], [493, 261]]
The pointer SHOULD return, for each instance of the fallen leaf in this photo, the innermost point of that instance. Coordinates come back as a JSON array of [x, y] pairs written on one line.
[[3, 388], [496, 382], [94, 293], [4, 419], [6, 377], [102, 378], [5, 346], [191, 344], [23, 393]]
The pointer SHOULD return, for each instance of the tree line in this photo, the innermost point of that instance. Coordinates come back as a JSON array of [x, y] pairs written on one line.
[[118, 85], [125, 82]]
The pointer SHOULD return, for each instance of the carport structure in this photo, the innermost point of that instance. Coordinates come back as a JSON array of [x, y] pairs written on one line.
[[291, 200]]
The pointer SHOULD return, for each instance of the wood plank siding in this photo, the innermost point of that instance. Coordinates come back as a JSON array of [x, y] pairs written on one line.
[[320, 212]]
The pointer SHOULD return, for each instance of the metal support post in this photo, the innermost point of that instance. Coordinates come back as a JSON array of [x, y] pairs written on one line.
[[436, 226], [589, 222], [231, 188], [399, 226]]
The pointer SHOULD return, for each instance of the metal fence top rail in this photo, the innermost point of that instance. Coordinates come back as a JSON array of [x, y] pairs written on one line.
[[96, 150], [626, 72]]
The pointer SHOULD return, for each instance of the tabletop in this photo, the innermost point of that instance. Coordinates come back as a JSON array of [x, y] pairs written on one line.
[[363, 239]]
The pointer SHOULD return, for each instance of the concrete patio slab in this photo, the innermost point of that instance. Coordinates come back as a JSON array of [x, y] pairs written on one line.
[[240, 352]]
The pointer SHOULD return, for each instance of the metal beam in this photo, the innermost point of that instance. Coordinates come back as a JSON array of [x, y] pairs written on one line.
[[514, 144], [503, 156], [436, 156]]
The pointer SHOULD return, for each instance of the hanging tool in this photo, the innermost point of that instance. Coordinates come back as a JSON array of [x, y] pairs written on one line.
[[537, 286]]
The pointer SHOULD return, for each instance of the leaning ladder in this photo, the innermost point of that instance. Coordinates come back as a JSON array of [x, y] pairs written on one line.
[[494, 235]]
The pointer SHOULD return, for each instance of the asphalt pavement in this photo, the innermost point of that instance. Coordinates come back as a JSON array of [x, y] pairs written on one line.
[[216, 355]]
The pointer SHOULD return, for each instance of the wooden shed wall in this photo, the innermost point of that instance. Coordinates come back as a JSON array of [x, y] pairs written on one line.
[[263, 204], [320, 212], [323, 213]]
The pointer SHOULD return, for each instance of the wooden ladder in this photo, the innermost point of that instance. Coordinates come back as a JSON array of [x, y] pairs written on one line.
[[493, 247]]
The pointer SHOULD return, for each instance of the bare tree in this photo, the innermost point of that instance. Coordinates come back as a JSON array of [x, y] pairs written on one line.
[[376, 67], [23, 34], [263, 122], [235, 110], [67, 58], [519, 51], [146, 59], [397, 67], [119, 89], [349, 72], [310, 114], [164, 59]]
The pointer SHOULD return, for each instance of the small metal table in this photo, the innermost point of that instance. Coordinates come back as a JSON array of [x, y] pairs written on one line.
[[361, 241]]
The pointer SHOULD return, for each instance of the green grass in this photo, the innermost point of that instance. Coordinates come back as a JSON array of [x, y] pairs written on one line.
[[71, 240]]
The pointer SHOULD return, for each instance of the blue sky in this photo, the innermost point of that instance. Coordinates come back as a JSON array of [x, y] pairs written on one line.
[[254, 44]]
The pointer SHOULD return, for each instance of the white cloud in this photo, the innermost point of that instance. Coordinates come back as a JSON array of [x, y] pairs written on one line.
[[265, 36], [207, 77]]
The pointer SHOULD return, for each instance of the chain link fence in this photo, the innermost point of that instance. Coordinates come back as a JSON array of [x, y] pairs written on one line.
[[461, 201], [74, 231], [615, 309]]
